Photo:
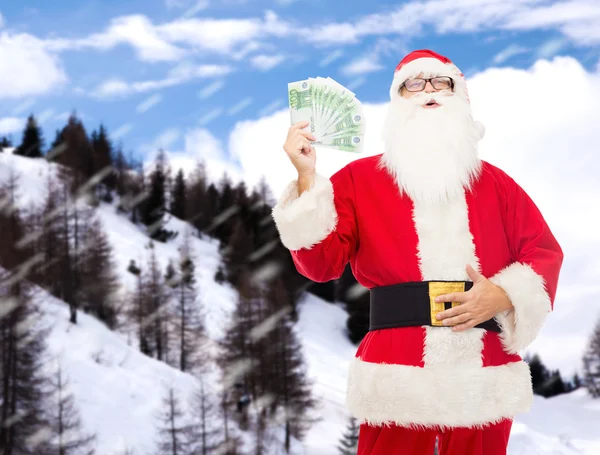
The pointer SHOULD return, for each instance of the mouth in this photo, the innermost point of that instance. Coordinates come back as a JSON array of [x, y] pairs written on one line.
[[431, 104]]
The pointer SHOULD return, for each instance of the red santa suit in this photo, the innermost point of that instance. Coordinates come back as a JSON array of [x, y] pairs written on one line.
[[427, 377]]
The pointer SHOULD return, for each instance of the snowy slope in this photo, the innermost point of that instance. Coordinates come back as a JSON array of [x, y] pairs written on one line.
[[120, 394]]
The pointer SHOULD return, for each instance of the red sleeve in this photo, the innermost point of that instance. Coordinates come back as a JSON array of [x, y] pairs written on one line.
[[531, 280], [319, 227]]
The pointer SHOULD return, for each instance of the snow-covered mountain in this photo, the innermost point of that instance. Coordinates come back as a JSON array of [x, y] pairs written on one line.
[[118, 390]]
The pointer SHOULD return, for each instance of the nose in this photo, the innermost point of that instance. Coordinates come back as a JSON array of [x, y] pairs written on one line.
[[429, 87]]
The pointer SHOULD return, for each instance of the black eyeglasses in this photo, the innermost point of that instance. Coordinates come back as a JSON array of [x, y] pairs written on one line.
[[417, 84]]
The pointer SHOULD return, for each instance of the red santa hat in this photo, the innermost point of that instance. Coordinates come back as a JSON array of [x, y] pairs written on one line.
[[430, 64]]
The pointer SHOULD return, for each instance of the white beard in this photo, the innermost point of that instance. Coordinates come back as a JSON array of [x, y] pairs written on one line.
[[431, 153]]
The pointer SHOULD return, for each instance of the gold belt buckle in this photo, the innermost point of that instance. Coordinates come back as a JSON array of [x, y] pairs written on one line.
[[438, 288]]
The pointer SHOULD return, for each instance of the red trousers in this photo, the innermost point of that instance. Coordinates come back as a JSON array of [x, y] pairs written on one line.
[[396, 440]]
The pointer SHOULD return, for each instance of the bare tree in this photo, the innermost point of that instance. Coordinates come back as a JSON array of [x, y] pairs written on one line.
[[190, 327], [99, 280], [591, 363], [175, 433], [206, 432]]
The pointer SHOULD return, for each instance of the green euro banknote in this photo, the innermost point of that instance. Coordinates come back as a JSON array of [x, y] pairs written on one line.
[[335, 115]]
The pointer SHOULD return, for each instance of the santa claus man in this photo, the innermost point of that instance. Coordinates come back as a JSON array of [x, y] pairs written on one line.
[[461, 266]]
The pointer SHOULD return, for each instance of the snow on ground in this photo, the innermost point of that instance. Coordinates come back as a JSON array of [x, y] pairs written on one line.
[[118, 390]]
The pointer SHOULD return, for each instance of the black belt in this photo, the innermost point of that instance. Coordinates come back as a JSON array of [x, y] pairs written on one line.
[[413, 304]]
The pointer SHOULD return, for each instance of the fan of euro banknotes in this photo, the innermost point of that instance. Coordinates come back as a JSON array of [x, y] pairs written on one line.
[[335, 114]]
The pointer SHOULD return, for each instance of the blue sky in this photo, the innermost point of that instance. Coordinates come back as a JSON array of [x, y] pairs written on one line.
[[152, 70]]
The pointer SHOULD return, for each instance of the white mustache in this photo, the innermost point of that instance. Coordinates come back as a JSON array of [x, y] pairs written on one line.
[[424, 97]]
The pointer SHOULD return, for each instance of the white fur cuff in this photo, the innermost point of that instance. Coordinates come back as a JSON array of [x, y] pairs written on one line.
[[525, 288], [438, 395], [307, 220]]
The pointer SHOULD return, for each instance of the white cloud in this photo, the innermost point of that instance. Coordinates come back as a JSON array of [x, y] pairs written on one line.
[[171, 41], [10, 125], [356, 82], [46, 115], [112, 87], [244, 103], [211, 89], [550, 48], [182, 73], [198, 144], [121, 131], [266, 62], [545, 138], [149, 103], [576, 19], [246, 49], [200, 5], [167, 139], [26, 67], [216, 35], [210, 116], [332, 56], [270, 108], [510, 51], [362, 65], [136, 30], [23, 107]]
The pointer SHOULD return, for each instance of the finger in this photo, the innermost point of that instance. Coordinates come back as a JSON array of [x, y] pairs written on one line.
[[300, 125], [452, 312], [464, 326], [307, 135], [473, 274], [301, 144], [460, 319], [460, 297]]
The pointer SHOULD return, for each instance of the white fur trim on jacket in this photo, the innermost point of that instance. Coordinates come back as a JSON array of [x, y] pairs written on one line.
[[525, 288], [307, 220], [438, 395]]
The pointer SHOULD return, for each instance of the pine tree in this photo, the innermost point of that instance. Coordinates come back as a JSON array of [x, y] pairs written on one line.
[[152, 209], [5, 143], [348, 444], [190, 323], [65, 424], [236, 256], [99, 280], [32, 142], [289, 384], [539, 373], [103, 163], [197, 207], [57, 147], [238, 351], [49, 242], [24, 387], [77, 158], [173, 430], [223, 223], [179, 202], [591, 363], [140, 312], [158, 317]]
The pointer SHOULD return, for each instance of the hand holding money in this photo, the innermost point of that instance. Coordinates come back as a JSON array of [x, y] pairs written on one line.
[[334, 114], [299, 149]]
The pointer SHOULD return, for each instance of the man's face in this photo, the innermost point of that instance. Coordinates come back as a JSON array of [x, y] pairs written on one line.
[[429, 88]]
